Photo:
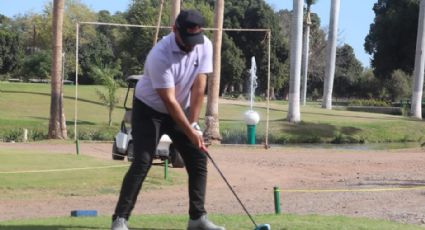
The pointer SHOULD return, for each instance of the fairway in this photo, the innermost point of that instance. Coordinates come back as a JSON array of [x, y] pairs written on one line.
[[317, 126]]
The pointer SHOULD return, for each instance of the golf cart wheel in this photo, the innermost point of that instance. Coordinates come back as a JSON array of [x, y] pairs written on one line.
[[176, 158], [130, 152], [115, 154]]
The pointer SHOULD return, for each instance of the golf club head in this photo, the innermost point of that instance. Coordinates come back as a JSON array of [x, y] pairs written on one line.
[[263, 227]]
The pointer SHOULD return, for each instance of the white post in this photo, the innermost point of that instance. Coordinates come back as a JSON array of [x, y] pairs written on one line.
[[25, 136], [266, 142]]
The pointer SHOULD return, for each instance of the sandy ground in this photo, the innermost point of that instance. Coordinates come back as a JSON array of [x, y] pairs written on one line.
[[312, 181]]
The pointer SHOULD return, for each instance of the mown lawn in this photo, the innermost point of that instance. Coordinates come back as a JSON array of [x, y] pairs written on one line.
[[31, 174], [231, 222], [27, 106]]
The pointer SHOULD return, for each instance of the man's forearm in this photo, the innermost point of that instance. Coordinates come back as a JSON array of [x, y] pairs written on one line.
[[174, 109], [197, 98], [178, 115]]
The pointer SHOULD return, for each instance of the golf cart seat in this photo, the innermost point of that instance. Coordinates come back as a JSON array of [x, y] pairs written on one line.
[[123, 141]]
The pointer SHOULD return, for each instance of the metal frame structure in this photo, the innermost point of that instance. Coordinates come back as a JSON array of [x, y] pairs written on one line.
[[78, 24]]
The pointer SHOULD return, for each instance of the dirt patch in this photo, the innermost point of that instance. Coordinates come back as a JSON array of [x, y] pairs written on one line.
[[312, 181]]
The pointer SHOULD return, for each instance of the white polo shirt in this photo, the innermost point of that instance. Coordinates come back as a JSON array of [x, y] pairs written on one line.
[[169, 67]]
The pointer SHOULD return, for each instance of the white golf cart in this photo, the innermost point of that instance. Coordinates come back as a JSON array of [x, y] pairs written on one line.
[[123, 141]]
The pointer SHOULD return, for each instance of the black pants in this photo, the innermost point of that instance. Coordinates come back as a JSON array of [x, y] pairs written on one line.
[[148, 126]]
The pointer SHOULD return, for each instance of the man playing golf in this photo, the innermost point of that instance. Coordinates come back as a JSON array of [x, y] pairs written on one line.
[[168, 100]]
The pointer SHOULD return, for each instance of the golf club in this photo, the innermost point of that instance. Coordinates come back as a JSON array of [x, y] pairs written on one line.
[[257, 227]]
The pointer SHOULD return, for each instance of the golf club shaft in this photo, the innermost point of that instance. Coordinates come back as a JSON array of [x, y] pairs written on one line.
[[228, 184]]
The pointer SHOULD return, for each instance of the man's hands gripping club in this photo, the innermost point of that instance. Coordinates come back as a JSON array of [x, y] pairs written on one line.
[[176, 112]]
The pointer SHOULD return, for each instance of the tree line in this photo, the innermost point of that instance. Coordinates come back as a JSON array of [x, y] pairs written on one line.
[[25, 44]]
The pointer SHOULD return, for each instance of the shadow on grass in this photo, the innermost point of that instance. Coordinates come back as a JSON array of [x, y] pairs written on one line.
[[79, 122], [323, 130], [62, 227], [395, 118], [66, 97]]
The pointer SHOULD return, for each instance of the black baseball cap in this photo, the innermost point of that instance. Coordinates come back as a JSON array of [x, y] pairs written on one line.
[[190, 19]]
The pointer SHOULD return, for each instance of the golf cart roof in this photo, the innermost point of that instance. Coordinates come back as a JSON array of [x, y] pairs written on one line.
[[133, 78]]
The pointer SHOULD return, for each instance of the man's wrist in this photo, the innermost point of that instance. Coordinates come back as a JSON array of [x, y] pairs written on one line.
[[195, 126]]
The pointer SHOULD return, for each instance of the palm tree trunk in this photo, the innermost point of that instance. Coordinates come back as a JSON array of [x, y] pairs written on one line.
[[294, 114], [175, 9], [212, 125], [57, 122], [417, 88], [331, 55], [306, 50]]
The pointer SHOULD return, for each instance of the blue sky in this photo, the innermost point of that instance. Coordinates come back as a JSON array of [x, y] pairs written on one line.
[[355, 16]]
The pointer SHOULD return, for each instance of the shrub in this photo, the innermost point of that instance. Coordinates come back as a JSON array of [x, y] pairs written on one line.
[[37, 66], [37, 135], [398, 86], [94, 133], [369, 102], [12, 135], [233, 136]]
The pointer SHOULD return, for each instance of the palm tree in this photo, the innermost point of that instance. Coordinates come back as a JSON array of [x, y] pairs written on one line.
[[175, 9], [330, 55], [110, 98], [295, 68], [417, 88], [306, 48], [57, 121], [212, 125]]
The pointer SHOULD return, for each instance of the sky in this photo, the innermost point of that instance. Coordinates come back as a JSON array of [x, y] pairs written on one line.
[[354, 20]]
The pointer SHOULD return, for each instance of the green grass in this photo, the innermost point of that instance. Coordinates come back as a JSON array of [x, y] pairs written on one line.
[[323, 126], [88, 176], [27, 105], [231, 222]]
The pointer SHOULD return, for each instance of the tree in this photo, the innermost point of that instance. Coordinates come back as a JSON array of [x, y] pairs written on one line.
[[348, 69], [212, 125], [294, 114], [367, 85], [391, 38], [317, 60], [232, 67], [306, 51], [137, 43], [97, 53], [257, 14], [317, 47], [106, 76], [175, 10], [37, 65], [10, 47], [417, 89], [330, 55], [398, 86], [10, 50], [57, 122], [35, 31]]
